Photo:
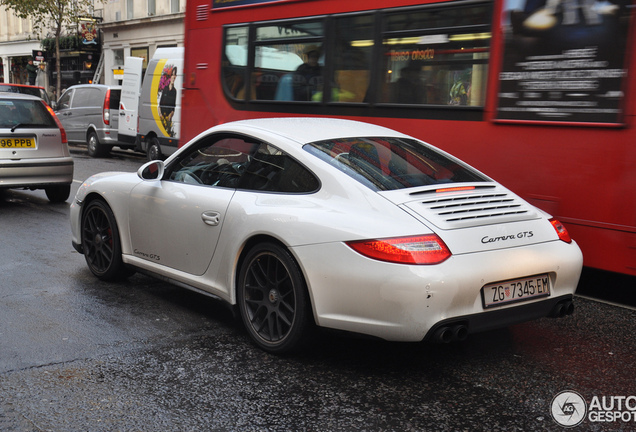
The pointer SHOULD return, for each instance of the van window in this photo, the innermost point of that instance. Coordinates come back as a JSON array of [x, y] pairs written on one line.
[[115, 96], [87, 97], [65, 100]]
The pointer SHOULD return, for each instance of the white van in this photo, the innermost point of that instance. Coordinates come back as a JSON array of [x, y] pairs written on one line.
[[150, 111]]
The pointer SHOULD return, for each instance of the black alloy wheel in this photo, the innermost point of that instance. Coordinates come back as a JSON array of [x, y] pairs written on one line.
[[101, 243], [272, 297]]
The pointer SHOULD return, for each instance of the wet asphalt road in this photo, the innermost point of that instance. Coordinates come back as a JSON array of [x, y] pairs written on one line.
[[77, 354]]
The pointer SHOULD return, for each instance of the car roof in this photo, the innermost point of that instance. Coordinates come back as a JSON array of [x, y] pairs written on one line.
[[311, 129], [21, 85], [113, 87], [4, 95]]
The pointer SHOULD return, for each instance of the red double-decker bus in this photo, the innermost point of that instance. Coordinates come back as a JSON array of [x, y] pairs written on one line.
[[538, 94]]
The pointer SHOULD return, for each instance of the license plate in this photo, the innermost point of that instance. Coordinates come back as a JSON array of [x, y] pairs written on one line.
[[17, 142], [515, 290]]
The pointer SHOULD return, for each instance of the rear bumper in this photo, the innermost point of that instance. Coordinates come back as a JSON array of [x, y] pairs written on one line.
[[481, 322], [36, 172], [409, 303]]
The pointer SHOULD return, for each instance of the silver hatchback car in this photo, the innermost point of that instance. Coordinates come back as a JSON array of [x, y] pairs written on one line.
[[34, 151]]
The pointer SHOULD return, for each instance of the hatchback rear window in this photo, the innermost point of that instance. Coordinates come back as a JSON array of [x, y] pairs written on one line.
[[392, 163], [25, 113]]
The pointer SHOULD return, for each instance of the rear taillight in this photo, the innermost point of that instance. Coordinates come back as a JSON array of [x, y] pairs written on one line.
[[107, 108], [57, 122], [424, 249], [562, 232]]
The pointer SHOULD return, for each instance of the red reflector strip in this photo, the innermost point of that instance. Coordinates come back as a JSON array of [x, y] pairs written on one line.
[[455, 189]]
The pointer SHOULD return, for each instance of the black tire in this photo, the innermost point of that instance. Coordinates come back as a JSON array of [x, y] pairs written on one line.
[[101, 243], [273, 300], [58, 194], [95, 149], [154, 150]]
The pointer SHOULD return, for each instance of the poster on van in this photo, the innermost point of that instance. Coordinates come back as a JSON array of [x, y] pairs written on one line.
[[164, 94]]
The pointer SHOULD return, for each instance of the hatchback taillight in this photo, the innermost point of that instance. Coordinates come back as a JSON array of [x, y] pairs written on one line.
[[562, 232], [423, 249], [57, 122], [107, 108]]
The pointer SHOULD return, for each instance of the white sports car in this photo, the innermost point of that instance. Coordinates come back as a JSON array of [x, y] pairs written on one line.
[[347, 225]]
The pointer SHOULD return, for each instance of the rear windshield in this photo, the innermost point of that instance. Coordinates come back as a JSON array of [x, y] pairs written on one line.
[[33, 91], [26, 113], [392, 163]]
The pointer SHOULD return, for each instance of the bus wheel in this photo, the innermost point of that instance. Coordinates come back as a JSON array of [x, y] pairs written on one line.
[[154, 150]]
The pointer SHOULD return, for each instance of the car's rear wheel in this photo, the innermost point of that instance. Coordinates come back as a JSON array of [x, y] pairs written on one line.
[[273, 299], [58, 194], [101, 243], [95, 149]]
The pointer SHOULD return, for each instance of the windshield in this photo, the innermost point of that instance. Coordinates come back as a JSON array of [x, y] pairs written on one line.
[[24, 113], [392, 163]]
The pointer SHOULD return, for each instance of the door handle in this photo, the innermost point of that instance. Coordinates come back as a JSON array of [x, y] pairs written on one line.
[[211, 218]]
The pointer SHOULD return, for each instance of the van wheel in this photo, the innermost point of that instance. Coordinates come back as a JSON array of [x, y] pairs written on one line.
[[94, 148], [154, 150]]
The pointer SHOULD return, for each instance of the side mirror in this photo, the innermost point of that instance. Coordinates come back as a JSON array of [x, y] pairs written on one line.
[[152, 170]]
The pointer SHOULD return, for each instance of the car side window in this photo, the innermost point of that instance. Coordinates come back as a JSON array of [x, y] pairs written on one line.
[[65, 100], [87, 97], [272, 170], [242, 163], [215, 161]]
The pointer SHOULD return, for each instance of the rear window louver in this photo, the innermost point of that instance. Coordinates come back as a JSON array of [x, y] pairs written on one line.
[[450, 211]]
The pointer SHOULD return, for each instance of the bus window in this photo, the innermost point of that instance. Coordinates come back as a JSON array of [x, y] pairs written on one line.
[[288, 63], [235, 61], [436, 57], [352, 62]]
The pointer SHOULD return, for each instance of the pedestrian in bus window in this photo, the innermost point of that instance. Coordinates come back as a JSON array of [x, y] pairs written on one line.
[[308, 76], [410, 88]]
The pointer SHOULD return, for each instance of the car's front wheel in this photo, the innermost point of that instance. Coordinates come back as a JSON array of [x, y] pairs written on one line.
[[58, 194], [272, 298], [101, 243]]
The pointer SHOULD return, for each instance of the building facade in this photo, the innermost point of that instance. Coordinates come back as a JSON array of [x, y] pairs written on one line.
[[17, 44], [137, 28], [118, 29]]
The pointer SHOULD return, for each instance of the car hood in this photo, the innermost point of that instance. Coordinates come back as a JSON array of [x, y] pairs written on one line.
[[475, 217]]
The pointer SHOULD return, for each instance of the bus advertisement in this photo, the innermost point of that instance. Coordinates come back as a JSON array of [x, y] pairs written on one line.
[[539, 94]]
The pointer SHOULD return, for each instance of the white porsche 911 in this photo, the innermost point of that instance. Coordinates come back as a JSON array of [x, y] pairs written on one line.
[[346, 225]]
